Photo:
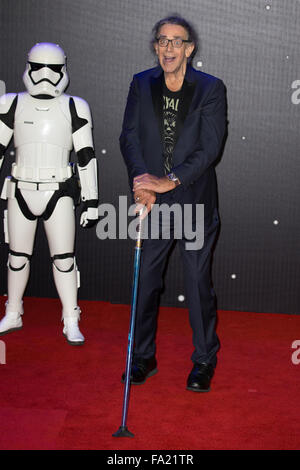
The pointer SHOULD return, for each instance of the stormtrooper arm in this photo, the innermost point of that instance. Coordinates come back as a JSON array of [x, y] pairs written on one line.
[[8, 105], [87, 163]]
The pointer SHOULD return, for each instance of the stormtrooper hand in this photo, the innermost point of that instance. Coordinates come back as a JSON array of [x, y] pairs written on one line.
[[89, 213]]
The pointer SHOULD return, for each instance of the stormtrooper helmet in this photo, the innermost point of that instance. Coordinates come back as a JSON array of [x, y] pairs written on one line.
[[46, 73]]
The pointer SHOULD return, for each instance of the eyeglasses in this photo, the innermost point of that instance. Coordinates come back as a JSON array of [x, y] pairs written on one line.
[[177, 43]]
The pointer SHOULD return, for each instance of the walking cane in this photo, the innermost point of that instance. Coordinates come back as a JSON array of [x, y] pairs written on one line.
[[123, 430]]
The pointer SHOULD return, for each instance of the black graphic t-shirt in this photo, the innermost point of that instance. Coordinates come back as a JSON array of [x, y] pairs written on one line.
[[171, 104]]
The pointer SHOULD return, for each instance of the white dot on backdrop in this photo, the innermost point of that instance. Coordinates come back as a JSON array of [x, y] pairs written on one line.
[[243, 137], [181, 298], [233, 276], [103, 151], [268, 7], [12, 152], [275, 222], [199, 63]]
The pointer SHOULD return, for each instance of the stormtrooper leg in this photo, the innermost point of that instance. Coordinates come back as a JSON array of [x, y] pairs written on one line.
[[21, 232], [60, 231]]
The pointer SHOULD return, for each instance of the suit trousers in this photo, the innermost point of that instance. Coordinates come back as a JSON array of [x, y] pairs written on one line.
[[201, 299]]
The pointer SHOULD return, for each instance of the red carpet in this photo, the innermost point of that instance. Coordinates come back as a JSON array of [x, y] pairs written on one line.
[[55, 396]]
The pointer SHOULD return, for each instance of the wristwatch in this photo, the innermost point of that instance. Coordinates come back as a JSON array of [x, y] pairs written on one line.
[[173, 177]]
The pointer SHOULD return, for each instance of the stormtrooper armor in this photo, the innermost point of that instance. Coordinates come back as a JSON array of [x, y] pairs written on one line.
[[46, 125]]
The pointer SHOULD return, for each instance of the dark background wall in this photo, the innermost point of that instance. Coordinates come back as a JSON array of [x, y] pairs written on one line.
[[254, 47]]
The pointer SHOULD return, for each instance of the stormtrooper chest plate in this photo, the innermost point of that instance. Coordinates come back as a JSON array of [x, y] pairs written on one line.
[[42, 137], [42, 121]]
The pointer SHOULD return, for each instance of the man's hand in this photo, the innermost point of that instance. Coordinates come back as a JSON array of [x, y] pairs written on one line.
[[153, 183], [144, 198], [89, 214]]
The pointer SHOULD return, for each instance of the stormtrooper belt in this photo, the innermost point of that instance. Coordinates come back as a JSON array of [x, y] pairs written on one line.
[[36, 186], [41, 174]]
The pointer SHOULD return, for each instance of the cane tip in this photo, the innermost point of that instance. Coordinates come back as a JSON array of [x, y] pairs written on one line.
[[123, 432]]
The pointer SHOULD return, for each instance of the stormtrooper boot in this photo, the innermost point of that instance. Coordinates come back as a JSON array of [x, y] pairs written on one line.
[[12, 320], [71, 329]]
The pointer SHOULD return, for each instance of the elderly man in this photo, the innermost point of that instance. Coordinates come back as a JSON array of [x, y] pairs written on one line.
[[173, 130]]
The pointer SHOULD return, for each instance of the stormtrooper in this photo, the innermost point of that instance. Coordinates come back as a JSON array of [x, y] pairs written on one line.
[[46, 125]]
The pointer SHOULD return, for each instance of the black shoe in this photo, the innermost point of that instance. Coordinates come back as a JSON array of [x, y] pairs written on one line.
[[141, 369], [200, 377]]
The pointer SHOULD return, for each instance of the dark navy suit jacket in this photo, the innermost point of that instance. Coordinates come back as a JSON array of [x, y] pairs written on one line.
[[200, 140]]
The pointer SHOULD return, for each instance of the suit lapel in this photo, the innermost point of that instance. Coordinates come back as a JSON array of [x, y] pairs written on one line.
[[157, 99], [188, 90]]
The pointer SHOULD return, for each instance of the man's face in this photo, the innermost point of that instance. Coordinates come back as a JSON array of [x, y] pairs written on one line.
[[173, 59]]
